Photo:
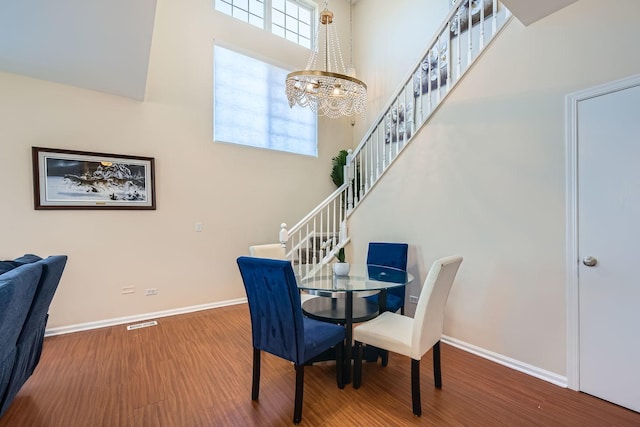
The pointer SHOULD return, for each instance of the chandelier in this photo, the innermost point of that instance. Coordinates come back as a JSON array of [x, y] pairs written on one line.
[[335, 91]]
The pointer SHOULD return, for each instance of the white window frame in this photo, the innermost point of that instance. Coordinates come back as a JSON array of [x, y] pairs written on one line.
[[296, 36], [235, 5], [267, 19], [291, 130]]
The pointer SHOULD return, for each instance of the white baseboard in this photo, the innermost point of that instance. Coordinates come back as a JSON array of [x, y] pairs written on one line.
[[534, 371], [138, 317]]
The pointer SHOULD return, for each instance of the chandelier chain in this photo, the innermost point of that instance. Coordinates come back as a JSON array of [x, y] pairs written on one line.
[[350, 38]]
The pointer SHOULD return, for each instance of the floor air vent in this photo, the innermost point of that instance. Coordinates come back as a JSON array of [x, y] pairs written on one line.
[[142, 325]]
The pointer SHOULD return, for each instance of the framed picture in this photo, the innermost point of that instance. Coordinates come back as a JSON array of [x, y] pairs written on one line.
[[67, 179], [433, 71], [460, 22]]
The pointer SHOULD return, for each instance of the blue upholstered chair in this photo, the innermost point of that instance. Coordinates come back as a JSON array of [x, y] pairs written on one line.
[[278, 326], [275, 251], [389, 255]]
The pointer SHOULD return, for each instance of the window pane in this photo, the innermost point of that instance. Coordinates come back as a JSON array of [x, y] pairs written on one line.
[[256, 8], [278, 31], [278, 18], [292, 9], [242, 15], [278, 4], [292, 24], [251, 108], [304, 30], [292, 36], [255, 21], [305, 15], [223, 7]]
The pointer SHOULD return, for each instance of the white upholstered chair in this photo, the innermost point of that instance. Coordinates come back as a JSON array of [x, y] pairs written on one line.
[[274, 251], [271, 250], [412, 337]]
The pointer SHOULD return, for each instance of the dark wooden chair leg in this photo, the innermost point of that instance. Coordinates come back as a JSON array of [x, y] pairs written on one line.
[[357, 366], [297, 409], [340, 364], [415, 387], [384, 358], [255, 386], [437, 374]]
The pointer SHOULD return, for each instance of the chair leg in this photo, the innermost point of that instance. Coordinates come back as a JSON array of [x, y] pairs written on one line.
[[384, 358], [340, 364], [297, 409], [415, 387], [357, 366], [437, 374], [255, 386]]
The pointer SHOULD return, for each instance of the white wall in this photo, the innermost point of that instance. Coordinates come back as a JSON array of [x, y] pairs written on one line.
[[486, 179], [240, 195]]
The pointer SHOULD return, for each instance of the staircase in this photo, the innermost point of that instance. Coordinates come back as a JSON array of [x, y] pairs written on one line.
[[314, 240]]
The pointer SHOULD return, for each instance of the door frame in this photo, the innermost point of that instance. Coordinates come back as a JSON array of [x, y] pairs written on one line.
[[572, 256]]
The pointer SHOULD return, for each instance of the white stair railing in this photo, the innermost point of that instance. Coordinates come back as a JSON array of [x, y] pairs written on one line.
[[315, 239], [465, 33]]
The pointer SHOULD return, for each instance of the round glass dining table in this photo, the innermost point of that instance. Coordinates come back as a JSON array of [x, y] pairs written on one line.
[[363, 279]]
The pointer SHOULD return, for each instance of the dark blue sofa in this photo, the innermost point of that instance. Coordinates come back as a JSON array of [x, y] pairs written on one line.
[[27, 286]]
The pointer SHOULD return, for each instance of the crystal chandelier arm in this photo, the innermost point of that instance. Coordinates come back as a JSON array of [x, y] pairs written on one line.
[[327, 74]]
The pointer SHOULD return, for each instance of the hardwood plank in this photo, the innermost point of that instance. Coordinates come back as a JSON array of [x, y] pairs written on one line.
[[194, 370]]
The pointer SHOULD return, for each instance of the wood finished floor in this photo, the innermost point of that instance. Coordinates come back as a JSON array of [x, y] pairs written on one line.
[[195, 370]]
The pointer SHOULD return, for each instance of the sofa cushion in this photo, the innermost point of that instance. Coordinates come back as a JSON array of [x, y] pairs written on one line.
[[27, 259], [8, 266], [17, 289], [52, 268]]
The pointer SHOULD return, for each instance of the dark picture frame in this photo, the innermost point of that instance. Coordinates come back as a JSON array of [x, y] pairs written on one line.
[[69, 179]]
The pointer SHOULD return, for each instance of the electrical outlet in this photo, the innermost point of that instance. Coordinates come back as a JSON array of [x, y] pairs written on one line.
[[198, 227], [128, 290], [151, 291], [413, 299]]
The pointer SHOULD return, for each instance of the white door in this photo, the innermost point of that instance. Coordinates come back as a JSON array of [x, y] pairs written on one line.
[[608, 146]]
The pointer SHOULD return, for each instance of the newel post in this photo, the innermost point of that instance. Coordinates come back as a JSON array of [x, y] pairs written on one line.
[[283, 235]]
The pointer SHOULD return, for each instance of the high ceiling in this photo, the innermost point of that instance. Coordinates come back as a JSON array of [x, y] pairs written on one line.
[[95, 44], [104, 45], [530, 11]]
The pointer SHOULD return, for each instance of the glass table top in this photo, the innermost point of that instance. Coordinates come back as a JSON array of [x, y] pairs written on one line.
[[361, 277]]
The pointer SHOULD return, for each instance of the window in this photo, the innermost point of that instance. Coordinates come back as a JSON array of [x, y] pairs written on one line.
[[291, 19], [251, 108], [250, 11]]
